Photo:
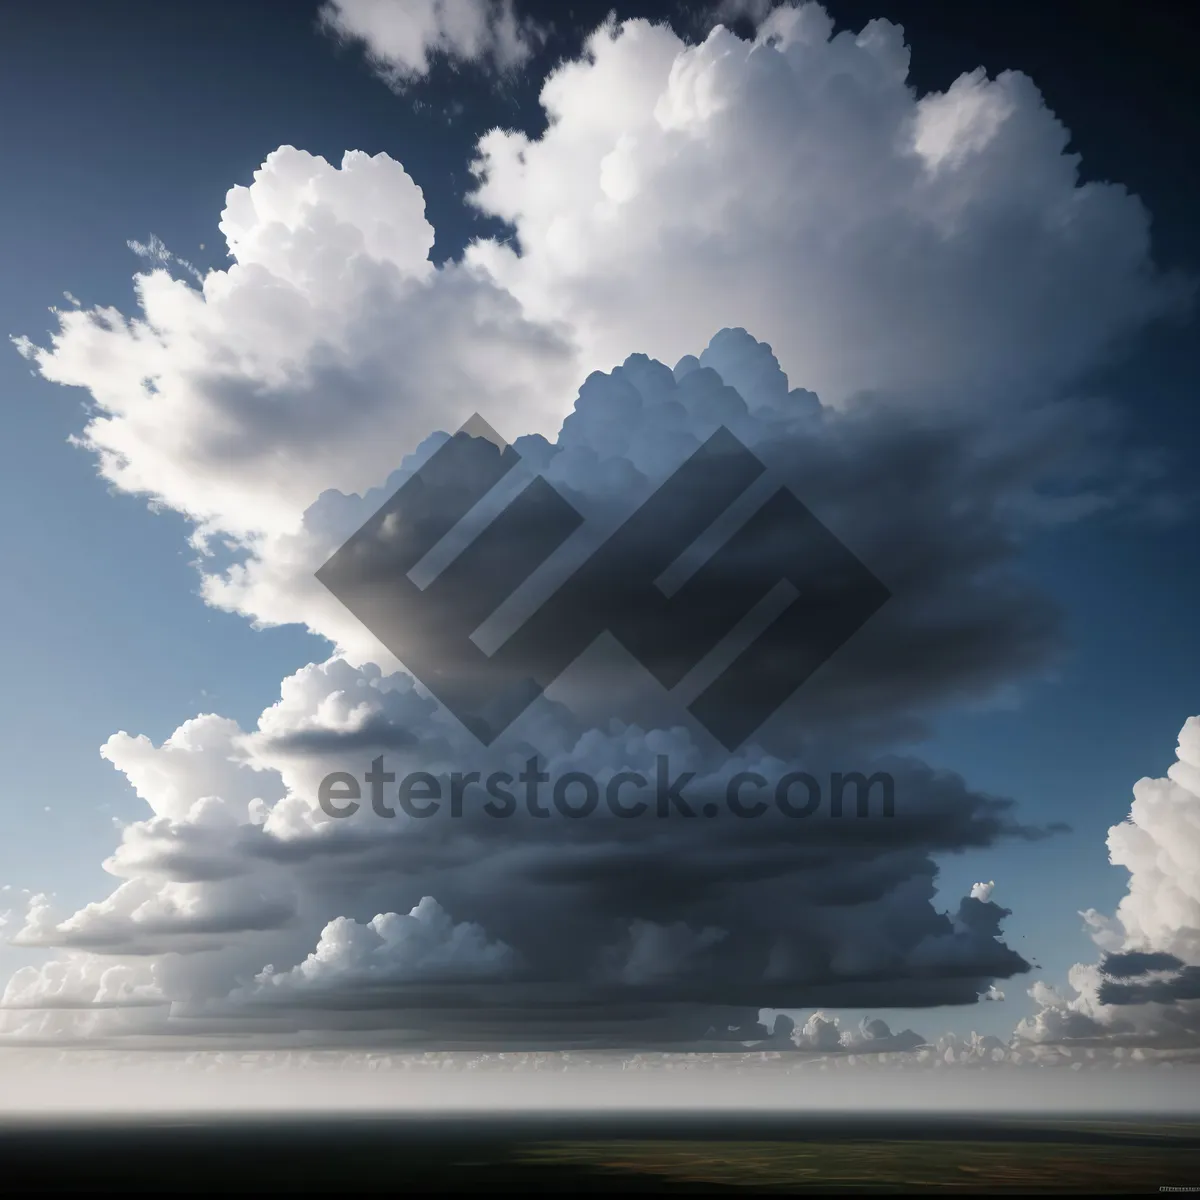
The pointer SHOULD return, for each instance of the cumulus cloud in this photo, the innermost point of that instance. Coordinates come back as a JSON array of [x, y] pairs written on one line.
[[936, 246], [82, 982], [925, 274], [391, 947], [873, 1036], [401, 38], [822, 1035], [820, 1032], [1145, 990], [910, 246], [224, 401], [81, 996], [928, 507], [604, 931]]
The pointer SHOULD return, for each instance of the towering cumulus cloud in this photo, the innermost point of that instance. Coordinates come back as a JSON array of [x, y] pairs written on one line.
[[884, 297], [930, 247], [1145, 991]]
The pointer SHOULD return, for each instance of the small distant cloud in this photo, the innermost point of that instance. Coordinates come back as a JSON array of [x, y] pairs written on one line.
[[401, 38], [749, 10], [156, 253]]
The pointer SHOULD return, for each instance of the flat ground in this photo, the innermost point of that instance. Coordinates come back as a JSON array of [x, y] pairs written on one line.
[[638, 1152]]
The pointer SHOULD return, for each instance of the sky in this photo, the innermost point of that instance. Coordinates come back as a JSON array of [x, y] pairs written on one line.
[[1001, 339]]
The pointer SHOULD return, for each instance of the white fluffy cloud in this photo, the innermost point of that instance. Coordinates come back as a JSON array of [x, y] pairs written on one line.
[[1146, 988], [935, 246], [1159, 845], [391, 947], [919, 247], [822, 1034], [199, 773], [402, 37], [322, 355]]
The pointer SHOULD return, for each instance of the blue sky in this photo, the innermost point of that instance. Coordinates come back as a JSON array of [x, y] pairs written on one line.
[[135, 119]]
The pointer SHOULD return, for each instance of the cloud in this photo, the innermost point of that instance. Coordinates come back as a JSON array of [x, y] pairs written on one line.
[[820, 1032], [926, 506], [889, 319], [81, 996], [82, 982], [393, 948], [654, 952], [1138, 962], [1146, 988], [199, 771], [873, 1036], [156, 253], [155, 916], [224, 402], [822, 1035], [754, 11], [401, 38], [597, 932], [889, 246], [938, 247]]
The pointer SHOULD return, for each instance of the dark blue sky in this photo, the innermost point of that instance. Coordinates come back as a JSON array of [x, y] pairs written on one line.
[[133, 118]]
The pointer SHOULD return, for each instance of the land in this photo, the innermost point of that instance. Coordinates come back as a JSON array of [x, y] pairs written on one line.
[[603, 1153]]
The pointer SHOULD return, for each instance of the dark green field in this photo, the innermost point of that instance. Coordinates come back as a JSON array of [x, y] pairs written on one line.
[[635, 1152], [896, 1165]]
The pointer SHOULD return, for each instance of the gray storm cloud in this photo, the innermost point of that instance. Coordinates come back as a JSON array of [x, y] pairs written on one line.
[[243, 901], [929, 266]]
